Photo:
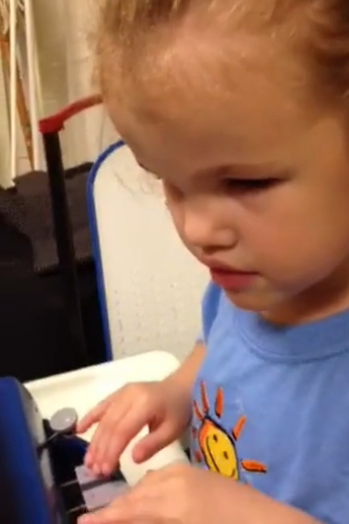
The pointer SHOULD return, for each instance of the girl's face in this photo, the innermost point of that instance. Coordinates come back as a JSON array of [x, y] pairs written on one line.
[[253, 179]]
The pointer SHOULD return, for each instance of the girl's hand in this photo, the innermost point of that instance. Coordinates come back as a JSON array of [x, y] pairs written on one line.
[[162, 406], [181, 494]]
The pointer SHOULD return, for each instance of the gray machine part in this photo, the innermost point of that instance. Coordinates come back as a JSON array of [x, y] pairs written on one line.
[[64, 421], [98, 492]]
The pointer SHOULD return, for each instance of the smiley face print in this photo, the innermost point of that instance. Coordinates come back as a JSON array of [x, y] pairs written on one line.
[[217, 447]]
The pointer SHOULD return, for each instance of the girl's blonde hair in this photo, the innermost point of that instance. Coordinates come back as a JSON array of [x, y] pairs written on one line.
[[319, 31], [123, 17]]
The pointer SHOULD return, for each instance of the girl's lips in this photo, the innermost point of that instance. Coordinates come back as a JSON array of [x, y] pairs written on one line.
[[230, 279]]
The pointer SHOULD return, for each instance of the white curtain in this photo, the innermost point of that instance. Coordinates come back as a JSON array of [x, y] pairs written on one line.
[[5, 178], [66, 59], [63, 29]]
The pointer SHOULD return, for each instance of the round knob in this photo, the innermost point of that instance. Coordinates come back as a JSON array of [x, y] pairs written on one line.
[[64, 421]]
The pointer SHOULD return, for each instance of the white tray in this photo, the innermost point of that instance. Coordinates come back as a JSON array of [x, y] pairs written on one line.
[[84, 388]]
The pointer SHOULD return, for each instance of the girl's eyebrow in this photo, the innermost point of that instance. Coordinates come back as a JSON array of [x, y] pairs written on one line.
[[245, 170], [239, 171]]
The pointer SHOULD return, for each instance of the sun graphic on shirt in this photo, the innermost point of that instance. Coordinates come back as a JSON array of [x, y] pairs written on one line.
[[217, 448]]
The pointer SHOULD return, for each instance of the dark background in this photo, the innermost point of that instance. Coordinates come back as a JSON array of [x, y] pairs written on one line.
[[34, 337]]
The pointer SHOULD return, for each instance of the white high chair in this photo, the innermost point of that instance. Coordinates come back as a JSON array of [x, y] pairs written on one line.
[[150, 287], [150, 291]]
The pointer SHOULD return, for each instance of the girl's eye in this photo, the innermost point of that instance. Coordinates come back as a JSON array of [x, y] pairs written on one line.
[[249, 185]]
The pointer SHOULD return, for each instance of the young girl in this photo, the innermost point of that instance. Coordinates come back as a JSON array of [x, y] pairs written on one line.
[[241, 108]]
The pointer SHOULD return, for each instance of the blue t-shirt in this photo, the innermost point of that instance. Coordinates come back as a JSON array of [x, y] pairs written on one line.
[[271, 406]]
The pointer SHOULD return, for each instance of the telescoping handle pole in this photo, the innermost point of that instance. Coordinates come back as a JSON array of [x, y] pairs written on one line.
[[50, 129]]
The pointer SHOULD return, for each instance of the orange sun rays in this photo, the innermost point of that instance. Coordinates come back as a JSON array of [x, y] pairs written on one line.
[[251, 466]]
